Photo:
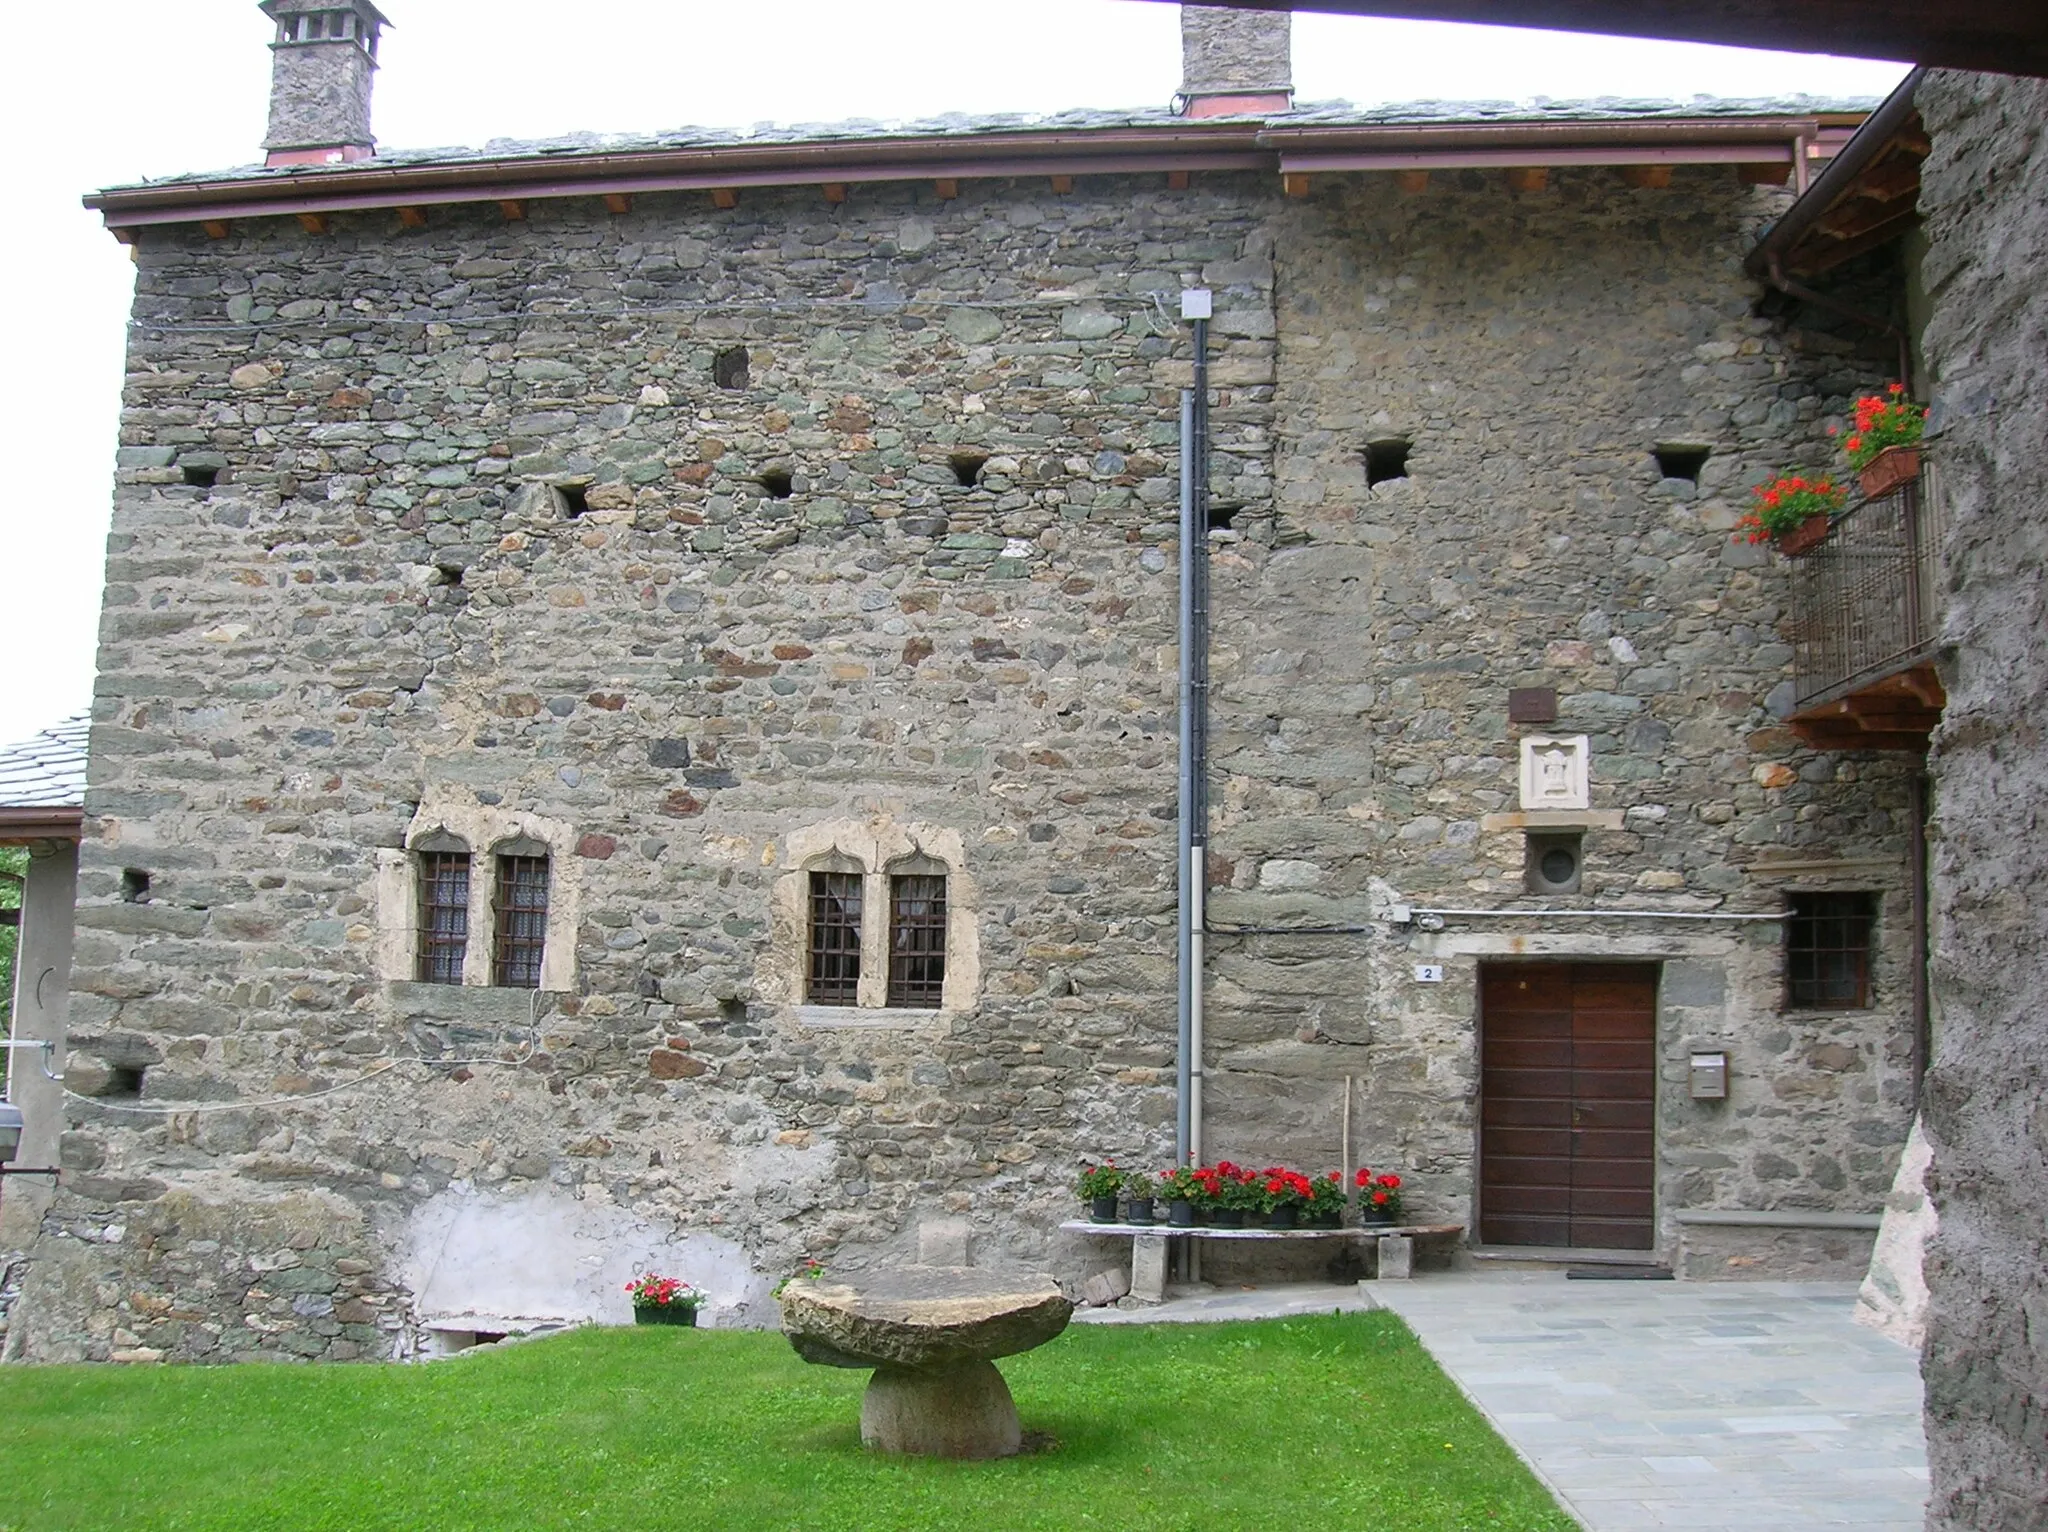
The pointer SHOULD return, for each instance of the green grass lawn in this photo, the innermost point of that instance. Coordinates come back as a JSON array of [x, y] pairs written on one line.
[[1296, 1425]]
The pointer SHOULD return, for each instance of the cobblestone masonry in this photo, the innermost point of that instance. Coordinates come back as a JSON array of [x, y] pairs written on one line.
[[382, 617], [1986, 1359]]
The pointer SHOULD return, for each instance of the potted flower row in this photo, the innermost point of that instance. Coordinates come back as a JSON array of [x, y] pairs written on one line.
[[1794, 510], [661, 1300], [1227, 1196]]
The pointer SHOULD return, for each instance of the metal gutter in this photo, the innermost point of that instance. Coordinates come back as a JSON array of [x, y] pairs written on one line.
[[1841, 174], [1212, 146], [18, 826], [1539, 156], [1691, 130], [1774, 1218]]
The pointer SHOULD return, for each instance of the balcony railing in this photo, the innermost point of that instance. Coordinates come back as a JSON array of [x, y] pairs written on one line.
[[1866, 600]]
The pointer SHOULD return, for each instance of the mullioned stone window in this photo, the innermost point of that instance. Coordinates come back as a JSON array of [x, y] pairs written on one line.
[[874, 925], [479, 898]]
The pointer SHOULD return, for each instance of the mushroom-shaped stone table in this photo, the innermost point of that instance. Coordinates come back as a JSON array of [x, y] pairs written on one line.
[[932, 1335]]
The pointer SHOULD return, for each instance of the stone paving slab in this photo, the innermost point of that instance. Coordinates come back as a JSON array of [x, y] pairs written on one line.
[[1714, 1407]]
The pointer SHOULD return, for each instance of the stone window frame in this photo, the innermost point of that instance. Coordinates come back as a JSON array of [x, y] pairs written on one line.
[[878, 849], [486, 834]]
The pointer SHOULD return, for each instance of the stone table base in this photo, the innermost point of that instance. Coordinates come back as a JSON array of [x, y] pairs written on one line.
[[961, 1411]]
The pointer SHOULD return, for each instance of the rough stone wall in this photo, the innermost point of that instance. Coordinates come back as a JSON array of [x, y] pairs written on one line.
[[1227, 51], [380, 609], [1985, 200], [780, 609], [1533, 350], [320, 96]]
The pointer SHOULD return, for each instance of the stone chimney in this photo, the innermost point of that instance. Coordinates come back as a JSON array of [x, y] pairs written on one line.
[[323, 65], [1235, 61]]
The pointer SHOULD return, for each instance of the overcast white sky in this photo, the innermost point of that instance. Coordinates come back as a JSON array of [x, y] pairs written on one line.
[[120, 89]]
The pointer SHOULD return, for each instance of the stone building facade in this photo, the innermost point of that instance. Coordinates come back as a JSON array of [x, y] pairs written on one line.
[[1986, 1359], [694, 546]]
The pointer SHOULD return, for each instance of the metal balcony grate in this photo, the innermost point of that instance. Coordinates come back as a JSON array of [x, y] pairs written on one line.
[[1866, 601]]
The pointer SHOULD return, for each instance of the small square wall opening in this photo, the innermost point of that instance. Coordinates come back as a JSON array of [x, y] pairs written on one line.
[[1682, 460], [134, 886], [1553, 863], [124, 1082], [574, 498], [1386, 459], [967, 467], [776, 483], [732, 369], [200, 475]]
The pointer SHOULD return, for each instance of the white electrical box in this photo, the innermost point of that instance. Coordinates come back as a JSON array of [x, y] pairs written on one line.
[[1708, 1077], [1429, 973], [1197, 303]]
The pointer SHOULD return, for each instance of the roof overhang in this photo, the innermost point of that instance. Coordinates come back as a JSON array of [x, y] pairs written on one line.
[[1998, 36], [1274, 148], [1866, 197]]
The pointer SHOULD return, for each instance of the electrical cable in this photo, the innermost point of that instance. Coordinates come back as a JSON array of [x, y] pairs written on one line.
[[1137, 303]]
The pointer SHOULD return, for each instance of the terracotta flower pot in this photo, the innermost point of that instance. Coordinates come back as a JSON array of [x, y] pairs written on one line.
[[1888, 470], [1803, 538]]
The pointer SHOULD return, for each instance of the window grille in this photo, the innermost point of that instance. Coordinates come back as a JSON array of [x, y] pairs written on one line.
[[835, 939], [444, 915], [1827, 951], [521, 910], [917, 941]]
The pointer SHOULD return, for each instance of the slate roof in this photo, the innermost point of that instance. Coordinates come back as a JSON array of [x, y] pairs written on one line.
[[47, 770], [1337, 114]]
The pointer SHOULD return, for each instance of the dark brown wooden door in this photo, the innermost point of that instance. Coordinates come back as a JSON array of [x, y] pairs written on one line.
[[1568, 1078]]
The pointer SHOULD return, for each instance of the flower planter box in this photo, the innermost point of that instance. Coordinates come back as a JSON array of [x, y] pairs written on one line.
[[1888, 470], [673, 1314], [1803, 538]]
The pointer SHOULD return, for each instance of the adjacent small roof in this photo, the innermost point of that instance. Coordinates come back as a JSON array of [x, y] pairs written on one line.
[[42, 783]]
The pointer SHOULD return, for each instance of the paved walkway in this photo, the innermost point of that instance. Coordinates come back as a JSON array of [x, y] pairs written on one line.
[[1745, 1406], [1708, 1406]]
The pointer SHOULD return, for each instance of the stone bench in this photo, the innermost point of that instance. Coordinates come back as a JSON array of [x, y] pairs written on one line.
[[1395, 1245]]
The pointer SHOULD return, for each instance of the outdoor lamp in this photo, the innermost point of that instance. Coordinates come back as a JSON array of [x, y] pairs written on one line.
[[11, 1123]]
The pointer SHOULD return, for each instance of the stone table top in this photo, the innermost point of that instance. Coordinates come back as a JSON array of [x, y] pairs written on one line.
[[921, 1317], [1209, 1231]]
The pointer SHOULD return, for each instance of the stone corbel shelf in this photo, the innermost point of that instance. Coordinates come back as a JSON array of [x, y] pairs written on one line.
[[1553, 819], [1776, 1218], [1208, 1231]]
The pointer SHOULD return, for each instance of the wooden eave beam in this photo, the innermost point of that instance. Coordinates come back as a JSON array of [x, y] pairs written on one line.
[[1824, 737]]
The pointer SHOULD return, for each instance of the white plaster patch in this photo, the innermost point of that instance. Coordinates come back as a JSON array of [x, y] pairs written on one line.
[[547, 1256]]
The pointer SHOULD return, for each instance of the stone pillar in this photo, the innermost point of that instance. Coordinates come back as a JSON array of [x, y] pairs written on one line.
[[42, 998], [1148, 1268], [1396, 1258], [1236, 62], [323, 68]]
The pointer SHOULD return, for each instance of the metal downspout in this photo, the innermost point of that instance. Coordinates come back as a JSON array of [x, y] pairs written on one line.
[[1193, 815], [1183, 1121]]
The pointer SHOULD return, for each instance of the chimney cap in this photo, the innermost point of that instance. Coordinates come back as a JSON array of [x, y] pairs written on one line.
[[277, 10]]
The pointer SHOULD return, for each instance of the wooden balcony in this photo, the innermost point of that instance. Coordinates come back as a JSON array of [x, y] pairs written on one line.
[[1867, 623]]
